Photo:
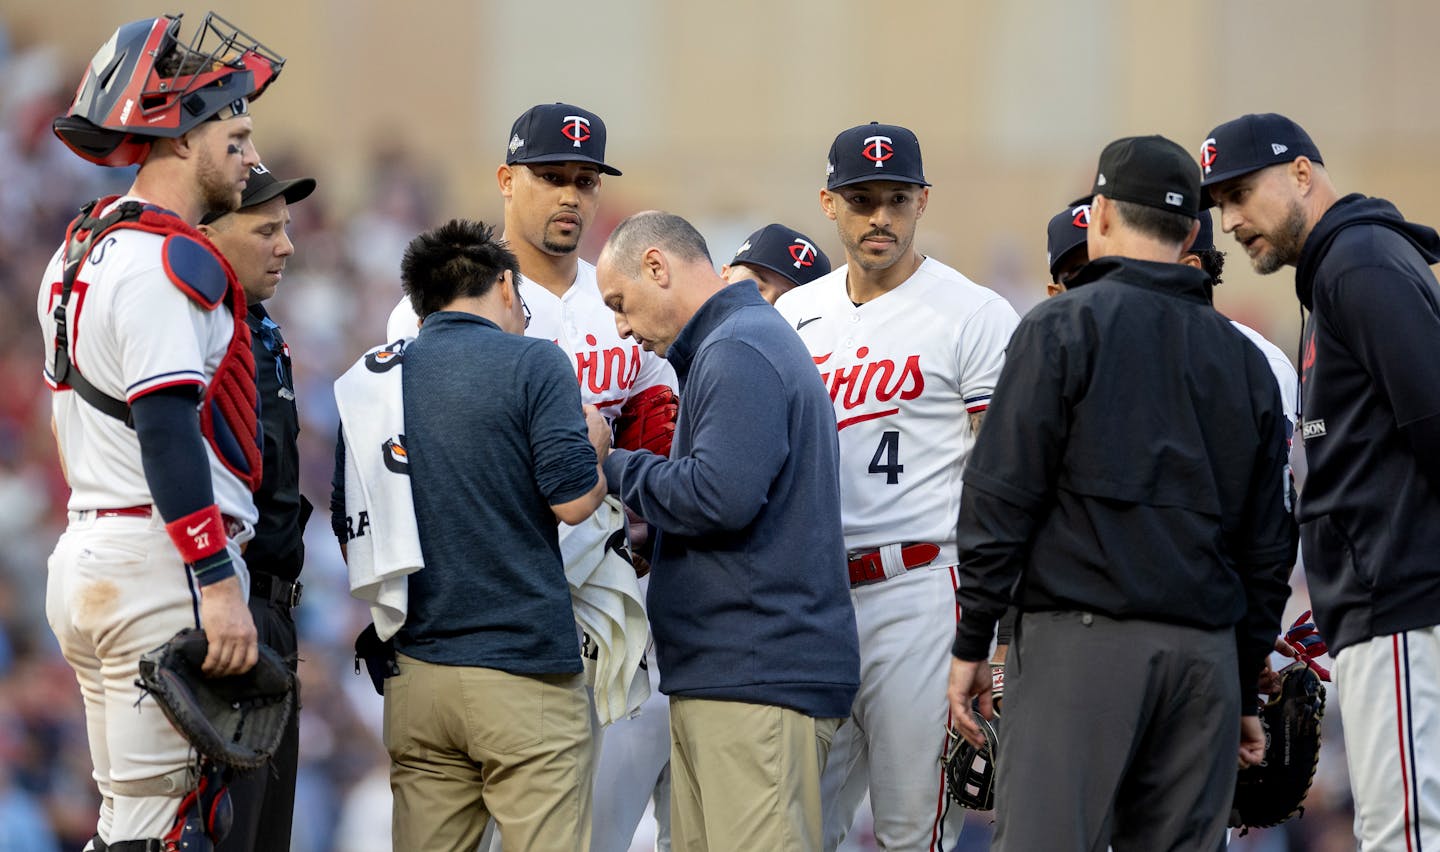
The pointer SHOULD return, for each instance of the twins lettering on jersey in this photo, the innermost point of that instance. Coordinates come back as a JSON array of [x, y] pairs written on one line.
[[852, 387], [601, 371]]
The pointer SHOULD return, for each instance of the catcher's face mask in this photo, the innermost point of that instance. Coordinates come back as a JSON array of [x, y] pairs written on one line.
[[145, 83]]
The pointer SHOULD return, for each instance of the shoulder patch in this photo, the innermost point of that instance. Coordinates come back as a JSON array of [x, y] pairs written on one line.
[[196, 270]]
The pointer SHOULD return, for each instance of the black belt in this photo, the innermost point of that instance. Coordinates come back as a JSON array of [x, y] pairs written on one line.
[[272, 588]]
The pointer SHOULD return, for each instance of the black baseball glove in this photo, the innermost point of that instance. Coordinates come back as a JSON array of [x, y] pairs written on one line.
[[236, 721], [970, 772], [1274, 791]]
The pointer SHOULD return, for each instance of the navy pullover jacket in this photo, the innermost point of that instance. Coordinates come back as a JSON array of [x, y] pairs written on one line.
[[1370, 371], [495, 437], [750, 596]]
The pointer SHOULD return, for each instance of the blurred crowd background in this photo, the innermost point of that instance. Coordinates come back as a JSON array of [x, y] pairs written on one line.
[[722, 115]]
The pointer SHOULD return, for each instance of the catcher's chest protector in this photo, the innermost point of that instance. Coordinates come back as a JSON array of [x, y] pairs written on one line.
[[230, 409]]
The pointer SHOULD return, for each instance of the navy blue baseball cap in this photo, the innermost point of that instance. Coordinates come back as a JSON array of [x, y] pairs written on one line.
[[874, 151], [558, 133], [261, 186], [784, 250], [1205, 240], [1066, 232], [1152, 171], [1250, 143]]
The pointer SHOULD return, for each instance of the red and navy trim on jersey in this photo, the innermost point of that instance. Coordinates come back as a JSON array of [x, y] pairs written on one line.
[[173, 379], [976, 404], [230, 409]]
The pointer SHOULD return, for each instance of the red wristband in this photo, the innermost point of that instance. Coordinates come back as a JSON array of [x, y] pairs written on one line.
[[199, 534]]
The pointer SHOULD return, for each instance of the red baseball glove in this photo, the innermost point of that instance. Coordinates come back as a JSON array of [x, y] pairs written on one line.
[[647, 422]]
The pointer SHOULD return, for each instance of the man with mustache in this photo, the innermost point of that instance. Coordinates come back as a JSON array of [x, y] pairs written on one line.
[[550, 181], [910, 351], [1370, 403]]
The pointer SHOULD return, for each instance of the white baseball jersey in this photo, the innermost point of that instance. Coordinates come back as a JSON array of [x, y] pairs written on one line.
[[1282, 368], [903, 370], [608, 368], [131, 331]]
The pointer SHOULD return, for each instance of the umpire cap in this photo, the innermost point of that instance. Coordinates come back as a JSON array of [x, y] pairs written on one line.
[[1151, 171], [261, 186]]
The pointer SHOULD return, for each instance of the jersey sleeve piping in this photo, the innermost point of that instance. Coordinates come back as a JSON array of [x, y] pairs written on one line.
[[164, 380]]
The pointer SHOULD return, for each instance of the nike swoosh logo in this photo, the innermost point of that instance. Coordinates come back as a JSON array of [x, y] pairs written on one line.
[[195, 530], [804, 322]]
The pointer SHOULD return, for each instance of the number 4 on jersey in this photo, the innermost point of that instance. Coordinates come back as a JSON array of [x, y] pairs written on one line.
[[889, 451]]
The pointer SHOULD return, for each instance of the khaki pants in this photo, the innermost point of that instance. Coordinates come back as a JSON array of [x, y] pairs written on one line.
[[469, 743], [745, 776]]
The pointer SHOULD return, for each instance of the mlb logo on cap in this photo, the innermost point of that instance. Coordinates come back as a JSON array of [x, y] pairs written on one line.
[[874, 151], [558, 133], [1152, 171]]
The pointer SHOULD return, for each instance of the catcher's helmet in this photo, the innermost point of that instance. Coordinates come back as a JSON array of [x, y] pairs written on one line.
[[144, 83]]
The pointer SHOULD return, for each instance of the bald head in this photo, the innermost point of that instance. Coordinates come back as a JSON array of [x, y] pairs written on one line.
[[654, 273], [654, 229]]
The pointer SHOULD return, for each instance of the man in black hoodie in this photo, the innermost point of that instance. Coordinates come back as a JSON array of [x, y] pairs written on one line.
[[1370, 408]]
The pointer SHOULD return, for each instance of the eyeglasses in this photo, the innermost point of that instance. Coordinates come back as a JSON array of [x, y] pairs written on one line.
[[524, 307]]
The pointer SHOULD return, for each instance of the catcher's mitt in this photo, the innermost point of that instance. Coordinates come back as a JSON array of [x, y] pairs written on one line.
[[647, 422], [970, 772], [235, 721], [1274, 791]]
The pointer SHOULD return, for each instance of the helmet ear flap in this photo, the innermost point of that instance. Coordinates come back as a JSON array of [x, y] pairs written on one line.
[[97, 144]]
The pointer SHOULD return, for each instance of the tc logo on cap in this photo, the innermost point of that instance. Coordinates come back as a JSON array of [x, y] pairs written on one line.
[[877, 150], [1081, 216], [803, 252], [576, 128], [1207, 154]]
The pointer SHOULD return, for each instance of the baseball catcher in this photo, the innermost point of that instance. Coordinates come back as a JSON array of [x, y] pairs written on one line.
[[1274, 791]]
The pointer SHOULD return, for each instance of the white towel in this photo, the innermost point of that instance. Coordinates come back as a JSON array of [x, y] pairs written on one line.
[[377, 483], [609, 609]]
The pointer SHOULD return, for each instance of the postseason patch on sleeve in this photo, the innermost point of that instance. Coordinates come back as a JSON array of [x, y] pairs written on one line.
[[195, 269]]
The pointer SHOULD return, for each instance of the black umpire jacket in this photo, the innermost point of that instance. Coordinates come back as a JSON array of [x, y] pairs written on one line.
[[1134, 463], [277, 548]]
